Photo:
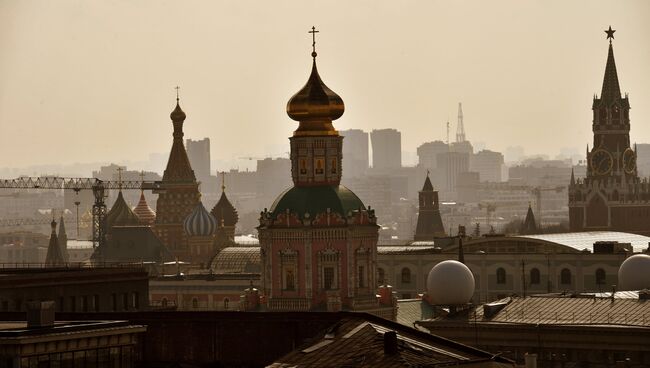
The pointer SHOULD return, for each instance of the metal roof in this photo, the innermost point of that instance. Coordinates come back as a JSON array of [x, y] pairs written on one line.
[[567, 311], [391, 249], [586, 240], [237, 260]]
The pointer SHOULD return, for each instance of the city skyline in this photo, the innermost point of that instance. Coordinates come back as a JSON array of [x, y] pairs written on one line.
[[537, 68]]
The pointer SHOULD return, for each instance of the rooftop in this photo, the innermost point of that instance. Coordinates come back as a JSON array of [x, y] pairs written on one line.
[[360, 341], [586, 240]]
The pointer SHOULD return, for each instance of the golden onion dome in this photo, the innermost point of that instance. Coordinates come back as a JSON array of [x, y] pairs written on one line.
[[315, 105]]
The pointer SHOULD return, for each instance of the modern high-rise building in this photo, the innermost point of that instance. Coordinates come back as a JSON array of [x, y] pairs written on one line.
[[489, 165], [386, 149], [198, 151], [428, 152], [612, 196], [450, 164], [355, 151], [642, 159]]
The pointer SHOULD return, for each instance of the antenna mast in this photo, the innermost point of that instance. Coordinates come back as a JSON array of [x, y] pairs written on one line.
[[460, 130]]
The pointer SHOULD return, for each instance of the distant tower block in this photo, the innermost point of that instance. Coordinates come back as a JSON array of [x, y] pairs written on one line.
[[460, 130]]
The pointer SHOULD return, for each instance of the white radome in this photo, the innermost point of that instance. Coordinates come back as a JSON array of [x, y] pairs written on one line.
[[634, 273], [450, 283]]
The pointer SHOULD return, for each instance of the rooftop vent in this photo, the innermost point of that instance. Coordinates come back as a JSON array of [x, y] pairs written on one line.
[[390, 342], [40, 314]]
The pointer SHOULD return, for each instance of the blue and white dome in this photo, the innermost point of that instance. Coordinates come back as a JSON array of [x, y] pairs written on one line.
[[200, 222]]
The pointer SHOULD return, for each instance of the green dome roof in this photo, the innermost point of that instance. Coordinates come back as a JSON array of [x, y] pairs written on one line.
[[318, 199]]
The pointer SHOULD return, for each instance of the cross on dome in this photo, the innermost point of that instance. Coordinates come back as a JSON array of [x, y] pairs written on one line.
[[313, 42]]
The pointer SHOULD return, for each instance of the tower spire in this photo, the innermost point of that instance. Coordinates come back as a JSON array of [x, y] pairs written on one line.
[[611, 90], [460, 130]]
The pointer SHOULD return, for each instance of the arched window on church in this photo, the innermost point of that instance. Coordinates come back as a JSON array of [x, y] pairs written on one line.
[[333, 166], [406, 275], [534, 276], [601, 277], [501, 275], [565, 276]]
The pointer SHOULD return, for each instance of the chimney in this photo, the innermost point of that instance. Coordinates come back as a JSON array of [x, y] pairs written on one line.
[[390, 342], [40, 314], [530, 360]]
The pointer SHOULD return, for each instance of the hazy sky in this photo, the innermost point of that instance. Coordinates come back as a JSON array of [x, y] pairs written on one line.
[[88, 81]]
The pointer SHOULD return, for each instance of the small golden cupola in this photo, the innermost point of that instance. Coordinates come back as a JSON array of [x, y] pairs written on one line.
[[315, 106]]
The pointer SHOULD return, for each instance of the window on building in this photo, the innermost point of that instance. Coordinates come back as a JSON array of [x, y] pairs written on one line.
[[114, 301], [328, 278], [601, 277], [290, 280], [319, 166], [164, 302], [333, 166], [73, 304], [226, 301], [406, 275], [303, 167], [534, 276], [565, 276], [381, 274], [96, 303], [195, 303], [361, 277], [84, 303], [135, 303], [501, 275], [125, 301]]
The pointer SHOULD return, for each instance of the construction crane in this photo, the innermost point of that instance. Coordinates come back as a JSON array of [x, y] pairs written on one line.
[[78, 184], [537, 192]]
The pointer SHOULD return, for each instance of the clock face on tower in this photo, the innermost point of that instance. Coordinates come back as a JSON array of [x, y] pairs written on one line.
[[629, 161], [601, 162]]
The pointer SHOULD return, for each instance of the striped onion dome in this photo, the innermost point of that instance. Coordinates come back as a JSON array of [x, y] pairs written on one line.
[[146, 215], [200, 222]]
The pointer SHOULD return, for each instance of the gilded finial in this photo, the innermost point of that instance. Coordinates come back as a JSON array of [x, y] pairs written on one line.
[[610, 34], [313, 42], [223, 181]]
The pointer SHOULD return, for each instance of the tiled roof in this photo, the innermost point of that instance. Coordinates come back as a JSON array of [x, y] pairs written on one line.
[[360, 342]]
